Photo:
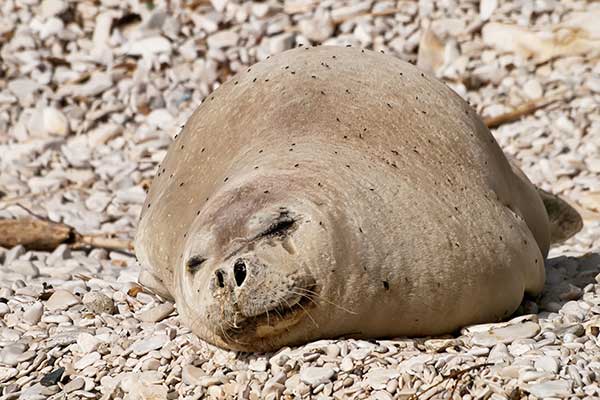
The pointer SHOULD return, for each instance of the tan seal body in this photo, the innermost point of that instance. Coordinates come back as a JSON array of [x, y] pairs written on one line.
[[332, 191]]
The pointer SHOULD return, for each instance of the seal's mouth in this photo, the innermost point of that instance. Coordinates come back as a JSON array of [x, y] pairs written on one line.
[[278, 319]]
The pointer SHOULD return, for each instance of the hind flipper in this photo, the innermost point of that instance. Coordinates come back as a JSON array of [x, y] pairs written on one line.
[[565, 221]]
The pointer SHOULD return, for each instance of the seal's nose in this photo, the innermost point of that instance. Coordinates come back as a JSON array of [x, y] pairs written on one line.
[[239, 272], [220, 278]]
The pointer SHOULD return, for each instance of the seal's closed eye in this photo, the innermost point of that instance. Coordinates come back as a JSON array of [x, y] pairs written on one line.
[[193, 263], [280, 227]]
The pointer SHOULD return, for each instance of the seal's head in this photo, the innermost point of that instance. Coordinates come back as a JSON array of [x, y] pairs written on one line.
[[242, 281]]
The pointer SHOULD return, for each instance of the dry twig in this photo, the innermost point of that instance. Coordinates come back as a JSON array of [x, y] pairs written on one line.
[[452, 375], [523, 110]]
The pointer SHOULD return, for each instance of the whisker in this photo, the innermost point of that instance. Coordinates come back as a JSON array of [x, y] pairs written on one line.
[[320, 297], [308, 314], [268, 321]]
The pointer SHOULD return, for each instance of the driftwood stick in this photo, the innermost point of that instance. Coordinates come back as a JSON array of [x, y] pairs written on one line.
[[39, 234], [34, 234]]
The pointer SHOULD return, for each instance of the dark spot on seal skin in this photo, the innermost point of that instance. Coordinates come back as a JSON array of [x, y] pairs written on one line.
[[386, 285]]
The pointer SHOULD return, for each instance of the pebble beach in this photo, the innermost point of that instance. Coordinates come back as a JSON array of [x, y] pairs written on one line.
[[93, 92]]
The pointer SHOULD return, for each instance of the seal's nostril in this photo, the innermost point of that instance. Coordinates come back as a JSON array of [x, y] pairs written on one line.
[[220, 278], [239, 272]]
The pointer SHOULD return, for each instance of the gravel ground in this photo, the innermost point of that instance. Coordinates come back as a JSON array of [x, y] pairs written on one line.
[[91, 93]]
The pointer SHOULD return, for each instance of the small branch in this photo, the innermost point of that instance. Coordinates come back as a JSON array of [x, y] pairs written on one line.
[[519, 112], [451, 375], [103, 242]]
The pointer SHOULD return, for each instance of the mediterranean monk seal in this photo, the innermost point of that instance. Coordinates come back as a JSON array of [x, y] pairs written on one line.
[[335, 191]]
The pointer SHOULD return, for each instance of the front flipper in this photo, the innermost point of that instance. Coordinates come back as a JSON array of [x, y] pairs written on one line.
[[565, 221], [148, 280]]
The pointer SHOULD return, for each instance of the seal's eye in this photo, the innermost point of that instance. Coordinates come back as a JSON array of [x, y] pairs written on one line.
[[193, 263]]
